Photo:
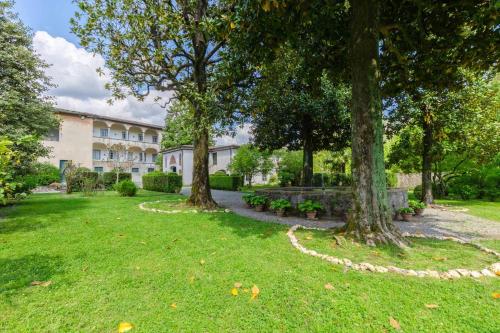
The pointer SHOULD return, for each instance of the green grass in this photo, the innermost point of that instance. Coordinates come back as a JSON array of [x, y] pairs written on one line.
[[111, 262], [486, 209]]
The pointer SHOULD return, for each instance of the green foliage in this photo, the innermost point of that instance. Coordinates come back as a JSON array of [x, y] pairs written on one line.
[[482, 183], [109, 178], [248, 161], [280, 204], [341, 179], [406, 210], [159, 181], [126, 188], [321, 179], [391, 178], [289, 167], [247, 198], [258, 200], [310, 206], [178, 126], [416, 204], [10, 189], [224, 182], [46, 173]]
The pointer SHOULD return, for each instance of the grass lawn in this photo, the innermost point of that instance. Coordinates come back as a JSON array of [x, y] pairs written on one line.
[[485, 209], [110, 262]]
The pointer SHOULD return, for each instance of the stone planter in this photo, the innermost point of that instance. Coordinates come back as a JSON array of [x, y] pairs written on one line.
[[259, 208], [407, 217], [311, 215], [419, 211], [281, 212]]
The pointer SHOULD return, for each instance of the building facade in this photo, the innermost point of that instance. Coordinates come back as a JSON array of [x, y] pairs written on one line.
[[103, 143], [180, 160]]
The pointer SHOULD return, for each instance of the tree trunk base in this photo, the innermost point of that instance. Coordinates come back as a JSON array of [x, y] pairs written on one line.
[[205, 202], [388, 236]]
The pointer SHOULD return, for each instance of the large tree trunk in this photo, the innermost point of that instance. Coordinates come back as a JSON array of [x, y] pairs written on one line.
[[370, 219], [307, 161], [427, 158]]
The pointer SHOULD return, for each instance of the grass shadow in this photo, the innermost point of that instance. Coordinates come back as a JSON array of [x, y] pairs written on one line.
[[18, 273], [247, 227]]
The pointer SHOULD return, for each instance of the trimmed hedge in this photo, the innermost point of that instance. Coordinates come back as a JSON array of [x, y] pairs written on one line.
[[126, 188], [109, 178], [228, 183], [162, 182]]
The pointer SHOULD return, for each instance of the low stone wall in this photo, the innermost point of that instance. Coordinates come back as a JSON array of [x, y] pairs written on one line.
[[335, 200], [409, 180]]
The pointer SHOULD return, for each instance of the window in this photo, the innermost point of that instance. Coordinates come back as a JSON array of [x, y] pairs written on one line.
[[130, 156], [96, 155], [141, 137], [153, 157], [155, 139], [104, 132], [151, 169], [124, 135], [98, 169], [142, 157], [53, 134], [135, 170], [111, 155], [214, 158]]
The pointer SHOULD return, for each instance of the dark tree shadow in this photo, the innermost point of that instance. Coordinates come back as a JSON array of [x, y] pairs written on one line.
[[247, 227], [18, 273]]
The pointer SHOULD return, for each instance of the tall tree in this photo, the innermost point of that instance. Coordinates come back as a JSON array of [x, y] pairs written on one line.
[[178, 126], [163, 45]]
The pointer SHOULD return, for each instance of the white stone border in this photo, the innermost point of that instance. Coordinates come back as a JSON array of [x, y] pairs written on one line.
[[178, 211], [491, 271]]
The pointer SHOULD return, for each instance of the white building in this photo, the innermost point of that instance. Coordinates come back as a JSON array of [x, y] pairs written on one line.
[[180, 160]]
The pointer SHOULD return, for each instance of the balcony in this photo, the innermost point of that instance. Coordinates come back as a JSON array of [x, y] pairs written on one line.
[[129, 143]]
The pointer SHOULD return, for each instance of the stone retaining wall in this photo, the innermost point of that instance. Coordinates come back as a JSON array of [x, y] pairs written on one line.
[[335, 200]]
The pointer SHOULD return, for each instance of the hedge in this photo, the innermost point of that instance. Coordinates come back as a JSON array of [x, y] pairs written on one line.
[[109, 178], [162, 182], [228, 183]]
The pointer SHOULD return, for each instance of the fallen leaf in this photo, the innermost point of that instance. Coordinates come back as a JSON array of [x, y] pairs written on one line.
[[41, 283], [329, 286], [255, 291], [125, 327], [394, 323], [144, 243], [245, 290], [237, 285], [191, 279], [440, 258], [234, 292], [202, 262], [431, 306], [173, 306], [495, 295], [309, 237], [497, 273], [233, 25]]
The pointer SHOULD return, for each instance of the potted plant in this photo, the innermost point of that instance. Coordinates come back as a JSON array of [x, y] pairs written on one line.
[[311, 208], [417, 206], [406, 213], [247, 198], [280, 206], [259, 202]]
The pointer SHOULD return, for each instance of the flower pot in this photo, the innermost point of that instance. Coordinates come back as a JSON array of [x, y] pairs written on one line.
[[281, 212], [419, 211], [407, 217], [259, 208], [311, 215]]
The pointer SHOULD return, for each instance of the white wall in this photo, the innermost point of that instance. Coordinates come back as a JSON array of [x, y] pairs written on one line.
[[223, 159], [185, 168]]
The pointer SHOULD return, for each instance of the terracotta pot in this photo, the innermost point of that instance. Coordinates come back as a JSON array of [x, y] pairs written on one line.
[[259, 208], [407, 217], [419, 211], [311, 215], [281, 212]]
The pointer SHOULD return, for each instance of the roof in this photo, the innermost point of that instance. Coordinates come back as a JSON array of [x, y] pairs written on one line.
[[97, 116], [191, 147]]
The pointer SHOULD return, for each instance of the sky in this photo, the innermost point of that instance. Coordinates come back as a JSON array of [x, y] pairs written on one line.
[[73, 69]]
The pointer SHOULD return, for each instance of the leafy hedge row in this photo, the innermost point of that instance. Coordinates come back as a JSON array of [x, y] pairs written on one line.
[[162, 182], [228, 183], [109, 178]]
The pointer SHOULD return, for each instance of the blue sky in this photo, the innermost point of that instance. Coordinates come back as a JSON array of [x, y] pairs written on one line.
[[48, 15]]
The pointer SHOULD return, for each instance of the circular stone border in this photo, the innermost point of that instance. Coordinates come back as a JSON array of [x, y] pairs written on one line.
[[178, 211], [491, 271]]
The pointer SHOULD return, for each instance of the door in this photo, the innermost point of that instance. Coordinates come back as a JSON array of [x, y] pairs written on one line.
[[62, 166]]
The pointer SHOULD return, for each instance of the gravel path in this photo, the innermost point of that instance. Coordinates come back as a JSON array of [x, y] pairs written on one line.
[[435, 221]]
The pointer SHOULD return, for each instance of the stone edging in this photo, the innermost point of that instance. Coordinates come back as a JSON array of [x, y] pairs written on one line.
[[491, 271], [178, 211]]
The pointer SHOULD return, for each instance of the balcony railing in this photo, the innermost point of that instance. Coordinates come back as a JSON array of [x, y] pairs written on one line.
[[107, 139]]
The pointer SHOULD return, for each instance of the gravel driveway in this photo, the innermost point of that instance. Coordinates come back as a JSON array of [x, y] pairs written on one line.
[[435, 221]]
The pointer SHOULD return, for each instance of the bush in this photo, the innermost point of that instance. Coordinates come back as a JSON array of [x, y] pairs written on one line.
[[109, 178], [258, 200], [406, 210], [391, 178], [228, 183], [162, 182], [321, 179], [280, 204], [247, 198], [416, 204], [46, 173], [126, 188], [341, 179], [310, 206]]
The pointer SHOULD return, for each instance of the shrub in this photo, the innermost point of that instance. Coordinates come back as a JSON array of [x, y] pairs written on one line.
[[280, 204], [126, 188], [46, 174], [321, 179], [406, 210], [341, 179], [228, 183], [162, 182], [247, 198], [416, 204], [310, 206], [109, 178], [258, 200], [417, 192], [391, 178], [220, 173]]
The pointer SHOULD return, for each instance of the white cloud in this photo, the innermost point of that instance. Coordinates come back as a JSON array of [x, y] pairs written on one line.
[[80, 88], [241, 136]]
